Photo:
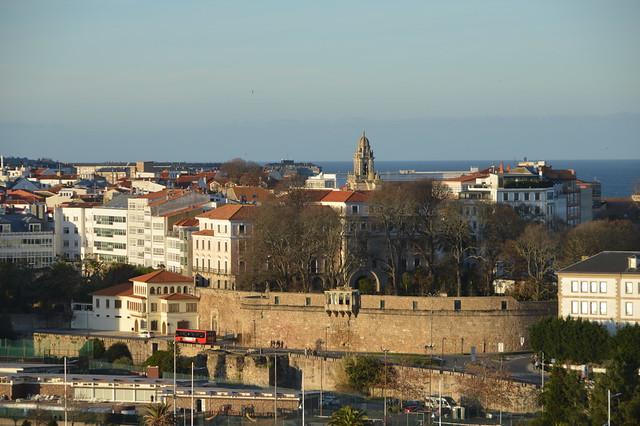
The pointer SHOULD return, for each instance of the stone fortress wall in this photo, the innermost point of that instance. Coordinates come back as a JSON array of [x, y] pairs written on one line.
[[402, 324]]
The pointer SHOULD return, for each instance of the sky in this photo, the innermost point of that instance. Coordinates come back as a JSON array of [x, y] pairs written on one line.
[[429, 80]]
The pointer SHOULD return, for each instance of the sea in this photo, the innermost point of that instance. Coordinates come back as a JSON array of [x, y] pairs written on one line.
[[619, 178]]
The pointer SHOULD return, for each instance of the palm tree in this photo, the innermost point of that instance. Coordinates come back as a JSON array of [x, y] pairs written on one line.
[[158, 415], [347, 416]]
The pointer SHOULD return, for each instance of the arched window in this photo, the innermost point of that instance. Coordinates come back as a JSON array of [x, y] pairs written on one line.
[[179, 289], [166, 290], [172, 290], [185, 290], [152, 290]]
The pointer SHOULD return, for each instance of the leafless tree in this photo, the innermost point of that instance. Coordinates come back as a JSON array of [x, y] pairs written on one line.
[[456, 238]]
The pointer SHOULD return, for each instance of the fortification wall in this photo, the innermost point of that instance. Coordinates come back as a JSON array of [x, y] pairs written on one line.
[[400, 324]]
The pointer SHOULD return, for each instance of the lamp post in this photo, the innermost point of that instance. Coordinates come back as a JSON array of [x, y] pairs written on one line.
[[174, 377], [442, 349], [384, 389], [302, 386], [609, 396], [192, 396], [65, 391]]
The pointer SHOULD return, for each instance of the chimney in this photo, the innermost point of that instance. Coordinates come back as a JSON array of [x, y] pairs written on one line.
[[633, 262]]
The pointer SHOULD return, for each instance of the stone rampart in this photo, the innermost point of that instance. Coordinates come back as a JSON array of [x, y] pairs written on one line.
[[400, 324]]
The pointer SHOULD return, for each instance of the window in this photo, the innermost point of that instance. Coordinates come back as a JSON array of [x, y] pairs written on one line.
[[457, 305], [354, 209], [537, 197], [628, 287], [516, 196], [584, 307], [154, 325], [225, 246], [526, 196], [414, 305], [603, 308], [594, 308], [382, 304], [505, 196], [307, 301], [584, 287], [276, 300], [241, 229], [107, 304], [628, 308], [575, 287], [192, 307], [117, 304], [174, 308], [65, 230], [152, 290], [197, 244], [594, 287], [603, 286], [575, 306], [97, 303], [503, 305]]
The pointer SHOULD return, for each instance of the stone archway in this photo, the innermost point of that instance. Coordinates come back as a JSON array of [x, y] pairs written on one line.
[[363, 273]]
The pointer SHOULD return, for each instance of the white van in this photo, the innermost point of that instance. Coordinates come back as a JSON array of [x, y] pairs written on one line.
[[433, 403]]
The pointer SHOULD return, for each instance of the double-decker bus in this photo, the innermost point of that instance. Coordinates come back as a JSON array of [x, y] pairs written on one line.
[[202, 337]]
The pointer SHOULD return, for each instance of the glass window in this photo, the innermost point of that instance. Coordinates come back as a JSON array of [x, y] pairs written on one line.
[[575, 287], [584, 307], [603, 308], [575, 306], [603, 286], [457, 305], [382, 304], [594, 287], [628, 308], [594, 308], [584, 286], [97, 303], [628, 287]]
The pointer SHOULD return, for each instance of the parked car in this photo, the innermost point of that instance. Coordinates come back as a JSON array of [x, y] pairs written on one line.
[[413, 406], [146, 334], [434, 402]]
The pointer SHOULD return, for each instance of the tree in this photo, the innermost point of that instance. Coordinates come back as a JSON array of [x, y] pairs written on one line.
[[392, 209], [116, 351], [537, 249], [569, 339], [564, 399], [158, 415], [93, 349], [588, 239], [365, 372], [487, 384], [241, 171], [347, 416], [456, 238]]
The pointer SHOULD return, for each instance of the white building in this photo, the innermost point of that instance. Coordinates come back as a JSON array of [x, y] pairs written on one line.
[[70, 231], [159, 302], [220, 243], [25, 239], [604, 288], [322, 181], [151, 218], [179, 246]]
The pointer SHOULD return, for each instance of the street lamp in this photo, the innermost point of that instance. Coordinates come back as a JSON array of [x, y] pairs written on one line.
[[609, 396], [384, 389], [442, 362]]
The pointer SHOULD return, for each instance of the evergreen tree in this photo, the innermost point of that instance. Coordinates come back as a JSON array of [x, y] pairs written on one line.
[[564, 399]]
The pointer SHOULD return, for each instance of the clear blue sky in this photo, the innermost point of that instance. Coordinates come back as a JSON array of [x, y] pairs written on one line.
[[196, 80]]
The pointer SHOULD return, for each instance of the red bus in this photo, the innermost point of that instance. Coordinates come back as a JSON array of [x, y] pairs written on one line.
[[203, 337]]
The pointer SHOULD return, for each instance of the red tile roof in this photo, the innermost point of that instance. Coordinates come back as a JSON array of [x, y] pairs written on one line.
[[230, 212], [206, 232], [347, 197], [249, 194], [124, 289], [162, 276], [188, 221], [179, 296]]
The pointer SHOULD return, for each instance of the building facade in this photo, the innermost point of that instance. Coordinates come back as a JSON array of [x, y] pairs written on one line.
[[604, 288], [24, 238]]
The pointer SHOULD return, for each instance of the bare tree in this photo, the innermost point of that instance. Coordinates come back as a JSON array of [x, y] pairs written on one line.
[[456, 238], [538, 250]]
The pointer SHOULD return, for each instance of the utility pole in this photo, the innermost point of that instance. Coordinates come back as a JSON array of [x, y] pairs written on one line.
[[192, 395], [65, 391], [174, 378], [384, 389], [440, 401], [302, 386], [608, 407], [275, 389], [542, 370]]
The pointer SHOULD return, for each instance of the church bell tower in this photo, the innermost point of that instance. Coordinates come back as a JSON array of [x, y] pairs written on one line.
[[364, 176]]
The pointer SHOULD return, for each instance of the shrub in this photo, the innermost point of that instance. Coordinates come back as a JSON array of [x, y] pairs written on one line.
[[116, 351], [93, 348]]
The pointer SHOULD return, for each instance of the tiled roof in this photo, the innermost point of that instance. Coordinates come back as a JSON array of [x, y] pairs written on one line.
[[249, 194], [347, 197], [605, 262], [230, 212], [206, 232], [179, 296], [162, 276], [188, 221], [124, 289]]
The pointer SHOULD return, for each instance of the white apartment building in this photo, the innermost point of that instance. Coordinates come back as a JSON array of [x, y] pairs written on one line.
[[604, 288], [25, 239], [159, 302], [219, 244], [151, 218], [70, 231], [179, 246]]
